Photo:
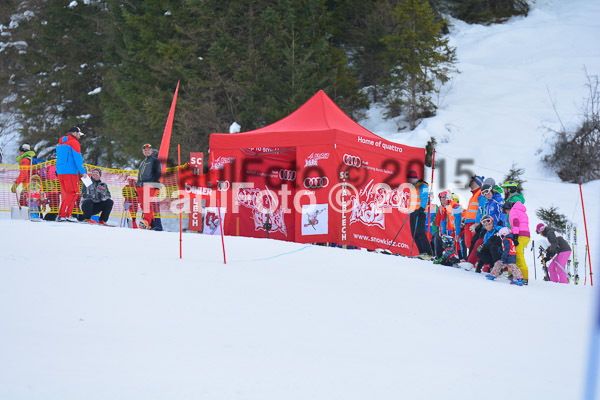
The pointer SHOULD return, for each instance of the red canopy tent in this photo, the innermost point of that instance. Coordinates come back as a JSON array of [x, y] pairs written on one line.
[[316, 176]]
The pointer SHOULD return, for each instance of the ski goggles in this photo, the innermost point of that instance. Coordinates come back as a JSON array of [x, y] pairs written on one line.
[[486, 191], [147, 146], [487, 221]]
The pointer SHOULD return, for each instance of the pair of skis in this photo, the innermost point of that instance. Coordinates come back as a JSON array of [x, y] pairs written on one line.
[[572, 240]]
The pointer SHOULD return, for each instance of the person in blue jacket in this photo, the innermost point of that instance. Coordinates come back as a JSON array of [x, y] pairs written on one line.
[[69, 166], [418, 218], [493, 205]]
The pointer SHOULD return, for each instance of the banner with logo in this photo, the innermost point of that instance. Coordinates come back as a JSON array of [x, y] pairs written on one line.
[[314, 214], [212, 223], [363, 196], [259, 187]]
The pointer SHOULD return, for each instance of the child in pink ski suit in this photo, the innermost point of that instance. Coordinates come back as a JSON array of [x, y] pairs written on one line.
[[559, 252]]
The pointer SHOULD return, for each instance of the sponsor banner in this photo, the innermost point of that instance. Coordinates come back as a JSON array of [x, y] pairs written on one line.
[[195, 216], [220, 162], [315, 182], [212, 224], [363, 194], [197, 163], [379, 199], [315, 219], [316, 178], [260, 186], [312, 160]]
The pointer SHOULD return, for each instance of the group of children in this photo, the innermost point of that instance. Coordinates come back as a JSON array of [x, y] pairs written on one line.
[[490, 234]]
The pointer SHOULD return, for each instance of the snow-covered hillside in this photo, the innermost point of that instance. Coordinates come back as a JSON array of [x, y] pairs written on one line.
[[108, 313], [92, 312], [494, 112]]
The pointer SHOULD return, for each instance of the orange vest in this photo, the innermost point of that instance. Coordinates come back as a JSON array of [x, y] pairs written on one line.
[[415, 195], [470, 214], [446, 214]]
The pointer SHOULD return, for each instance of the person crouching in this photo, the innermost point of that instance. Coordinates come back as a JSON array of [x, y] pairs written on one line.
[[450, 254], [96, 199], [508, 259]]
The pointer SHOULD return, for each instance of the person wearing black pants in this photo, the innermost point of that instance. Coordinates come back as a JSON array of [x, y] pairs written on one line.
[[491, 249], [418, 221], [418, 218], [96, 198]]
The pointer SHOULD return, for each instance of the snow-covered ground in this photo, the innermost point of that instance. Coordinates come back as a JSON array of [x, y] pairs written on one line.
[[109, 313], [90, 312]]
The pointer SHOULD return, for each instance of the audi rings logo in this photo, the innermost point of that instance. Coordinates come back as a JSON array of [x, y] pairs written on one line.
[[223, 186], [352, 161], [316, 182], [287, 175]]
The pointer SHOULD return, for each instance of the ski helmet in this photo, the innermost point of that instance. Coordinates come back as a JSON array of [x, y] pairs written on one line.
[[444, 194], [485, 189], [510, 186], [455, 197], [503, 232], [24, 147], [447, 240], [540, 227], [507, 206]]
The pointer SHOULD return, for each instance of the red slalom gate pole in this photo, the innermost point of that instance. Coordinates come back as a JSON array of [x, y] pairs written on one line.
[[180, 196], [220, 219], [429, 197], [587, 241]]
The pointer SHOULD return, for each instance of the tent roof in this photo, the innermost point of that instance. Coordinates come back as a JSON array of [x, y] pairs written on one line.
[[318, 121], [317, 114]]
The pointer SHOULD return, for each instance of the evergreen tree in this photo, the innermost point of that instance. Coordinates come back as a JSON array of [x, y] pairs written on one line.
[[515, 174], [252, 62], [552, 217], [419, 58], [59, 72]]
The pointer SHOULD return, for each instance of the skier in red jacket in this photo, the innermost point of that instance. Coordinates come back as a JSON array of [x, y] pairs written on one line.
[[69, 165]]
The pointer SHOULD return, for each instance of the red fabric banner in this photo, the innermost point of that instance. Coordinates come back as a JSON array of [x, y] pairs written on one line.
[[163, 152]]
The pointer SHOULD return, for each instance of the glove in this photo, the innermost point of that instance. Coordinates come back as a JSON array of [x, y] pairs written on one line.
[[472, 228], [479, 248], [546, 259], [516, 239], [13, 188], [438, 261]]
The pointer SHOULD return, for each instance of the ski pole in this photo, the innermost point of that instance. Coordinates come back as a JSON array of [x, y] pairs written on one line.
[[534, 266], [585, 265], [122, 215], [408, 215], [18, 202], [413, 233]]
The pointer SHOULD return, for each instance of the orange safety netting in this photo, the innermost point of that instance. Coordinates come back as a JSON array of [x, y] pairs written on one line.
[[43, 190]]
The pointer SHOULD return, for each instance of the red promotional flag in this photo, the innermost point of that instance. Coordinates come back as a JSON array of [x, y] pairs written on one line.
[[163, 152]]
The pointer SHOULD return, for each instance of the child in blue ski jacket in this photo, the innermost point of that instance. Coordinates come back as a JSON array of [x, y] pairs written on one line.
[[493, 205]]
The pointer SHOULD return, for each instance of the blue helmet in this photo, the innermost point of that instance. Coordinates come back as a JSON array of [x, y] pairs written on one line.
[[447, 240]]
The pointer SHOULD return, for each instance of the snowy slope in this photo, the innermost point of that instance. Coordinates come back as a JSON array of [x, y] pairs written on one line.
[[120, 316], [494, 112]]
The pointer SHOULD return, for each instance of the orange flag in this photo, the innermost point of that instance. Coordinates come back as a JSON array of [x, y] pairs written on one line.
[[163, 152]]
